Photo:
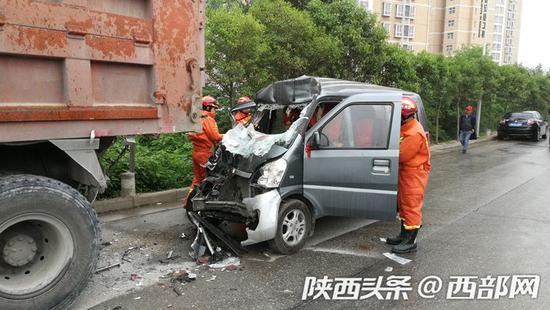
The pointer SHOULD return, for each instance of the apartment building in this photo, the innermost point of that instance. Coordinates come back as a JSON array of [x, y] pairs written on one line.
[[445, 26]]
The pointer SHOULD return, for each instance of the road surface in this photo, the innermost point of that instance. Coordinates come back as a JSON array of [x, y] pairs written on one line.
[[485, 214]]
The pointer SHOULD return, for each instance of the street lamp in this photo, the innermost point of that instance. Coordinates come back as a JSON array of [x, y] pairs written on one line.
[[484, 51]]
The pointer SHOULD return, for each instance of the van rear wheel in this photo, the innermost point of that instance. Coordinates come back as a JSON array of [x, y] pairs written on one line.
[[49, 243], [293, 227]]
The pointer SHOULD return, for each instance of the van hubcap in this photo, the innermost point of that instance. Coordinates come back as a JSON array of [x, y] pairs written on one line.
[[294, 227]]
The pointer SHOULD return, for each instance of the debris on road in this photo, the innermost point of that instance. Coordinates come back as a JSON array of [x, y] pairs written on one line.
[[212, 278], [169, 255], [231, 263], [107, 243], [388, 269], [203, 260], [231, 268], [183, 276], [183, 236], [126, 253], [98, 270], [383, 240], [178, 289], [397, 259]]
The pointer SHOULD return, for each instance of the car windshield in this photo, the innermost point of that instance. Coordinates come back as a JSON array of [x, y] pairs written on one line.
[[277, 125], [519, 115]]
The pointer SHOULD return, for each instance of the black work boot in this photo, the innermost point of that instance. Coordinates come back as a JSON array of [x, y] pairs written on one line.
[[397, 240], [408, 245]]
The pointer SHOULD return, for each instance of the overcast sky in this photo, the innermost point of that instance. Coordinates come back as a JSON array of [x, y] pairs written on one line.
[[534, 44]]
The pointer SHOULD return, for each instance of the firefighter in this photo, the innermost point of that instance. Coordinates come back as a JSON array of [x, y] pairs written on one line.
[[244, 117], [205, 141], [414, 169]]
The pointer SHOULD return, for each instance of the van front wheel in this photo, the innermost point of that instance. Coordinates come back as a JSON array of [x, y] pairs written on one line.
[[293, 227]]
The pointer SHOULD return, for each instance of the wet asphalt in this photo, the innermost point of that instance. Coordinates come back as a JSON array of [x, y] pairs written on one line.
[[485, 214]]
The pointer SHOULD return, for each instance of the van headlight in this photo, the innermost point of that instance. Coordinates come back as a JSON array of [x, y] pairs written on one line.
[[272, 173]]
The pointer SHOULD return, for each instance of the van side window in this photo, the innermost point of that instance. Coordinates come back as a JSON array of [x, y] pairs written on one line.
[[360, 126]]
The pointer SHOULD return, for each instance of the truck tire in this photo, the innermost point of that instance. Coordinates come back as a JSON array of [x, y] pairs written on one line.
[[49, 243], [293, 227]]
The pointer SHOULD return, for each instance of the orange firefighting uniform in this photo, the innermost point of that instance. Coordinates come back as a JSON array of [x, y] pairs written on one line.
[[243, 118], [414, 168], [203, 145]]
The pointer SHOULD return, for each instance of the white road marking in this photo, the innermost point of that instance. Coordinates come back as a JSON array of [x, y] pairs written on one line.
[[344, 252], [397, 259]]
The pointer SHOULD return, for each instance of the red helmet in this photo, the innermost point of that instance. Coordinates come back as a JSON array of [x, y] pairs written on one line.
[[408, 107], [469, 108], [209, 102], [243, 100]]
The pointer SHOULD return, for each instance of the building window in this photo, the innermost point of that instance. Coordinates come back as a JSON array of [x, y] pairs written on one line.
[[497, 47], [499, 10], [450, 35], [451, 23], [449, 49], [366, 4], [499, 19], [408, 47], [496, 57], [398, 31], [386, 9], [407, 11], [452, 10], [404, 31], [387, 26], [498, 29], [497, 38]]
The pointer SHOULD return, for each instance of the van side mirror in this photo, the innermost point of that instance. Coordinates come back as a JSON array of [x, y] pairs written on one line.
[[320, 140]]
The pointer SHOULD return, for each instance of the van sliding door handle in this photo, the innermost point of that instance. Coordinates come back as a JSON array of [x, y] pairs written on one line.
[[381, 167], [381, 163]]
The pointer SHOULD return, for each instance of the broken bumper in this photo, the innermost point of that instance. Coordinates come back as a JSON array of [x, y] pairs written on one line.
[[259, 214], [267, 206]]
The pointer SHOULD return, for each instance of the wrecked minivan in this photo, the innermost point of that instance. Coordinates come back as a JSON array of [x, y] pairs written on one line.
[[316, 147]]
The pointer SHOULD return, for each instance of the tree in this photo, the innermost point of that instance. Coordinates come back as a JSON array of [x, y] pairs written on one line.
[[296, 45], [433, 72], [357, 33], [236, 47], [397, 69]]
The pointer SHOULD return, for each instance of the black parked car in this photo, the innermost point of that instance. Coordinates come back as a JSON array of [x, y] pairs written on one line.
[[523, 124]]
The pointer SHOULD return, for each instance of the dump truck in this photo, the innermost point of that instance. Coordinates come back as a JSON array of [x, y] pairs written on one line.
[[74, 74]]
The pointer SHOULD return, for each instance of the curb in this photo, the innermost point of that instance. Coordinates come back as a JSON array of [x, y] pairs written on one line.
[[455, 145], [140, 200]]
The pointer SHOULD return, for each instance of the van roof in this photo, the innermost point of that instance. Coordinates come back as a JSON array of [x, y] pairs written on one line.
[[303, 89]]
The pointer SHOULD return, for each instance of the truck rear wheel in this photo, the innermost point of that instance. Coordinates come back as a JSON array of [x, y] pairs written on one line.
[[49, 243]]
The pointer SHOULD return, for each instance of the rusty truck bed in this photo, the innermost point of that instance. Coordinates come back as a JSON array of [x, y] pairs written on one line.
[[78, 68]]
